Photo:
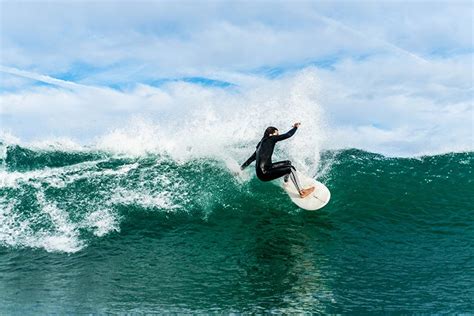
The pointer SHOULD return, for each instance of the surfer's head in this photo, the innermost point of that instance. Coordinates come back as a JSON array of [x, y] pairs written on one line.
[[270, 131]]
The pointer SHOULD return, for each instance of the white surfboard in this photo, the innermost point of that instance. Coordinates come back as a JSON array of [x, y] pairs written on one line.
[[316, 200]]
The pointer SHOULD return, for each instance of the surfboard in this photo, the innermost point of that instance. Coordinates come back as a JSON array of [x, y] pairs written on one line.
[[316, 200]]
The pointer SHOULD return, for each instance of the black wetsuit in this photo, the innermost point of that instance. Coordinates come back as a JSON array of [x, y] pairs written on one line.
[[267, 170]]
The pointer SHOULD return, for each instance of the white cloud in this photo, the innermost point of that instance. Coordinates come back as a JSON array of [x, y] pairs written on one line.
[[171, 40]]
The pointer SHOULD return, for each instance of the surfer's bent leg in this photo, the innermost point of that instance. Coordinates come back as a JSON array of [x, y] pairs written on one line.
[[284, 163], [285, 169]]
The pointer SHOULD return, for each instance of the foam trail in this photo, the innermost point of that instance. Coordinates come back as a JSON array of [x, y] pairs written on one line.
[[19, 231], [103, 221]]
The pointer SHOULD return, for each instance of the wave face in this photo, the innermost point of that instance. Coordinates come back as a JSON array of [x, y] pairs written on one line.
[[193, 236]]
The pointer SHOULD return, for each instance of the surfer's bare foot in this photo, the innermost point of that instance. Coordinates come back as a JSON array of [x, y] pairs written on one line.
[[305, 192]]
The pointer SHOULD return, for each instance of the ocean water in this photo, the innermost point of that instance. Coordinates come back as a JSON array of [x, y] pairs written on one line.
[[92, 230]]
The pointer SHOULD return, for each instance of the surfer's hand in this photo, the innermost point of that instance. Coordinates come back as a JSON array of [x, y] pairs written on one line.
[[297, 124]]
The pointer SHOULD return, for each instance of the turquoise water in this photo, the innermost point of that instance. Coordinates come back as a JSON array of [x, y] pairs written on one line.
[[92, 232]]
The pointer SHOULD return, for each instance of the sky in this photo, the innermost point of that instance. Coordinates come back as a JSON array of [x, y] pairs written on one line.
[[394, 77]]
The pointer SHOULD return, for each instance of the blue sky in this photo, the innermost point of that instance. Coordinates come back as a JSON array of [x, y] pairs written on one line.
[[391, 76]]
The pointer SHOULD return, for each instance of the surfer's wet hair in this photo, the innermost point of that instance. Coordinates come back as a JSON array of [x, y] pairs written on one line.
[[270, 130]]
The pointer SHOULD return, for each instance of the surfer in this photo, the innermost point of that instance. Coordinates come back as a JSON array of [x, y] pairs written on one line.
[[267, 170]]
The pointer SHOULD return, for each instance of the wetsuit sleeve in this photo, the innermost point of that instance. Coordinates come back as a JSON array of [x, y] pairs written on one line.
[[249, 161], [285, 136]]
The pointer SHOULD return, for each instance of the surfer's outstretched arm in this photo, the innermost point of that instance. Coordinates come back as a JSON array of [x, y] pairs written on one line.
[[288, 134], [249, 161]]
